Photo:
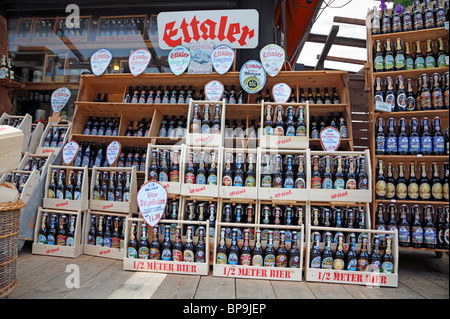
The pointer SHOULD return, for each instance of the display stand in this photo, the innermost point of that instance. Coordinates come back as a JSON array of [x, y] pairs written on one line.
[[25, 126]]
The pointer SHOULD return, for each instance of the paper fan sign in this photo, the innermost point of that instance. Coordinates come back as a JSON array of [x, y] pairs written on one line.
[[330, 139], [152, 201], [100, 61], [179, 59], [272, 58], [252, 76], [281, 92], [138, 61], [69, 152], [113, 152], [214, 90], [222, 58], [59, 99]]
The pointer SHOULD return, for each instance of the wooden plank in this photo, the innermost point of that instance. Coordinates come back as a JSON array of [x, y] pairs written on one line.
[[141, 285], [329, 291], [350, 42], [254, 289], [328, 43], [343, 60], [177, 287], [211, 287], [292, 290], [353, 21]]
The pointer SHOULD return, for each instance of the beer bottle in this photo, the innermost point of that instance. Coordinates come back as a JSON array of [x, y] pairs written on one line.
[[327, 181], [430, 59], [387, 265], [363, 256], [51, 235], [419, 62], [268, 123], [441, 55], [201, 172], [339, 181], [392, 224], [445, 85], [92, 231], [266, 175], [155, 247], [51, 193], [399, 55], [77, 189], [339, 256], [238, 179], [177, 249], [195, 125], [310, 97], [294, 254], [70, 239], [446, 228], [107, 237], [99, 234], [437, 99], [416, 228], [413, 186], [378, 62], [403, 227], [375, 257], [386, 22], [281, 259], [227, 179], [279, 123], [233, 256], [409, 60], [414, 137], [143, 250], [400, 104], [112, 187], [174, 168], [445, 191], [163, 174], [206, 123], [429, 228], [250, 213], [257, 252], [300, 181], [389, 60], [301, 126], [417, 17], [428, 16], [380, 138], [126, 190], [188, 252], [426, 140], [327, 255], [316, 178], [335, 96], [212, 171], [436, 184], [314, 129], [378, 95], [401, 188], [153, 171], [351, 176], [439, 13], [277, 181], [363, 181], [438, 138], [269, 252], [315, 254], [200, 256], [380, 223], [60, 188], [351, 258], [189, 176], [290, 125], [250, 180], [375, 21], [380, 186], [42, 236], [222, 250], [132, 243], [115, 240], [391, 139], [424, 183], [61, 236], [104, 187], [396, 22], [410, 96], [407, 20], [246, 256], [118, 193]]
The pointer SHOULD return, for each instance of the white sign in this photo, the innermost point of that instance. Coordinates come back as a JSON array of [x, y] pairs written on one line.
[[236, 28], [214, 90], [152, 200], [112, 152], [69, 152], [59, 99], [281, 92], [222, 58], [179, 59], [201, 58], [383, 106], [252, 76], [100, 61], [272, 58], [330, 138], [138, 61]]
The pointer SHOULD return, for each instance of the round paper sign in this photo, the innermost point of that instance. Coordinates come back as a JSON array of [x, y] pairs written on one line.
[[138, 61], [100, 61], [59, 99], [179, 59], [252, 76], [69, 151], [272, 57], [152, 200], [330, 138], [281, 92], [222, 58], [112, 152], [214, 90]]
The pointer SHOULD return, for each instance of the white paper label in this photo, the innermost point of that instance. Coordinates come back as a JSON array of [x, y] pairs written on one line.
[[330, 138], [69, 152], [152, 200], [281, 92], [112, 152], [222, 58], [59, 99], [383, 106], [214, 90], [201, 58], [138, 61], [100, 61], [179, 59], [272, 58], [252, 76]]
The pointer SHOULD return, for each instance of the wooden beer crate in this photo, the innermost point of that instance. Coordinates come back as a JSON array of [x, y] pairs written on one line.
[[291, 194], [36, 134], [198, 139], [58, 250], [47, 157], [104, 251], [342, 195], [114, 206], [162, 266], [171, 187], [66, 204], [284, 142], [246, 113], [25, 127], [199, 190], [239, 191], [367, 278], [11, 151], [30, 185], [44, 149]]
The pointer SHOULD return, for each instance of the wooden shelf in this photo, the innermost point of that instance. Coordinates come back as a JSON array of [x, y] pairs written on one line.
[[408, 114], [406, 158], [49, 85], [412, 36], [414, 74], [425, 249], [10, 84], [411, 202]]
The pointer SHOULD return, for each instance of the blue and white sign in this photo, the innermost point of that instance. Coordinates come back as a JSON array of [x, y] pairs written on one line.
[[252, 76], [222, 58], [100, 61]]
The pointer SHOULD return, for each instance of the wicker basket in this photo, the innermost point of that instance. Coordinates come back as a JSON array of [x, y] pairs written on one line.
[[9, 237]]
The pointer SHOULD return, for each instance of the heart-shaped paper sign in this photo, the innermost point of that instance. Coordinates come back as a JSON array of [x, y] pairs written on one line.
[[281, 92], [272, 58], [112, 152], [138, 61], [330, 138], [179, 59], [214, 90], [69, 152], [59, 99], [152, 201], [100, 61], [222, 58]]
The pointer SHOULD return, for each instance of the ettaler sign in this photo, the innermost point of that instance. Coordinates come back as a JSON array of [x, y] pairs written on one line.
[[237, 29]]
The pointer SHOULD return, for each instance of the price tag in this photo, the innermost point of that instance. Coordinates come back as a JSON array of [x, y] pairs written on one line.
[[330, 139], [214, 90], [138, 61], [222, 58], [272, 57], [281, 92], [446, 24], [100, 61], [69, 152], [112, 152], [179, 59], [59, 99], [383, 106], [252, 76], [152, 200]]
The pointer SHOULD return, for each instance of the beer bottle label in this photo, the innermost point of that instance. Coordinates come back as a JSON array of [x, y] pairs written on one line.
[[419, 63], [338, 264], [111, 196], [401, 191], [403, 234], [42, 239], [381, 143], [378, 63], [363, 184], [316, 262], [50, 240], [425, 191], [390, 190], [61, 240], [391, 100], [426, 144], [425, 100], [414, 144], [445, 192], [250, 181], [362, 264], [188, 256], [206, 129], [166, 254], [152, 176], [238, 181], [316, 183], [281, 261], [174, 176], [131, 252], [51, 194], [441, 61], [68, 195], [301, 131], [339, 184], [327, 183], [154, 253], [177, 255], [409, 64], [279, 131], [352, 265], [115, 242], [437, 99], [233, 259], [403, 144], [429, 235], [266, 182], [290, 131], [278, 182], [387, 267], [77, 195], [70, 241], [436, 191], [438, 144], [382, 228], [126, 197], [269, 261], [391, 144], [212, 180], [430, 62], [399, 61], [268, 130], [189, 178], [221, 258], [327, 263], [246, 259], [288, 182], [227, 181], [257, 260], [351, 184], [59, 194], [300, 183], [294, 262], [99, 241], [107, 242], [163, 177], [389, 62], [401, 101], [417, 235]]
